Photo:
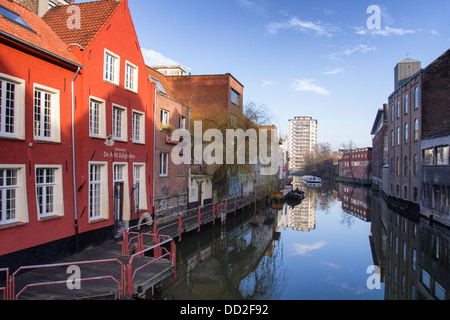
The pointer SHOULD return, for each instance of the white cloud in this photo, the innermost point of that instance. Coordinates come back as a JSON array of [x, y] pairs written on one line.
[[386, 31], [155, 58], [304, 26], [303, 249], [267, 83], [361, 48], [307, 85], [434, 32], [334, 71]]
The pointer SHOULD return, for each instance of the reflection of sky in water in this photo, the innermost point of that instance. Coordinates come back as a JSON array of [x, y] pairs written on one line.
[[327, 262]]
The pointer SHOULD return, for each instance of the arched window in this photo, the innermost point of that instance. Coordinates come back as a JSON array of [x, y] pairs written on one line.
[[416, 129], [416, 97], [406, 133], [406, 103], [398, 135]]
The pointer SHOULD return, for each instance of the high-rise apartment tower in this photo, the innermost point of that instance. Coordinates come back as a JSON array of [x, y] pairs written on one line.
[[302, 141]]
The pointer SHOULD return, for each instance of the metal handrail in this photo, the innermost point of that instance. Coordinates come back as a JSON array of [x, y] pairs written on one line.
[[130, 274], [5, 289]]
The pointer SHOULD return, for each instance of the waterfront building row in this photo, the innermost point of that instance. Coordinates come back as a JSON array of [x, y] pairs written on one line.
[[411, 138]]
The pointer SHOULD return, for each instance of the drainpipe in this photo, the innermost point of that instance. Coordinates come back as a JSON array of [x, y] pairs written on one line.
[[189, 162], [154, 152], [73, 163]]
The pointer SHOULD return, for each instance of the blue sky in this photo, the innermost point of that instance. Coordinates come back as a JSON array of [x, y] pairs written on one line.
[[299, 58]]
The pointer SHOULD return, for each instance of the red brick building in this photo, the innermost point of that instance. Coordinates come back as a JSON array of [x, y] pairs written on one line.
[[171, 180], [216, 101], [36, 72], [357, 166]]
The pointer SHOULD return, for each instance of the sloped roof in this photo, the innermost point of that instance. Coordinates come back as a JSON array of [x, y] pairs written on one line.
[[162, 80], [93, 16], [39, 35]]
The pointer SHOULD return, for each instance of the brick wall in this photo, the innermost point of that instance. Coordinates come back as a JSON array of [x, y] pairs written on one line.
[[435, 97]]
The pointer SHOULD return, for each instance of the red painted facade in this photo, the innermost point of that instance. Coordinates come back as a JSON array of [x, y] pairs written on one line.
[[30, 69], [100, 146]]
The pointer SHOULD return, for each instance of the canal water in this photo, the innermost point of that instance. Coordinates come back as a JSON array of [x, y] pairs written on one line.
[[340, 243]]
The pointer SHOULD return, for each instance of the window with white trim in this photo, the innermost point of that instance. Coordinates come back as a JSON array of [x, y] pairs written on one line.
[[164, 117], [119, 127], [111, 67], [49, 193], [131, 76], [46, 114], [45, 191], [182, 122], [8, 195], [12, 107], [163, 164], [97, 118], [138, 127], [13, 202], [98, 191]]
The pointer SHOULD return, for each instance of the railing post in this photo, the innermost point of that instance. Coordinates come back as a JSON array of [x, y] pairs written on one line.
[[125, 250], [199, 218], [180, 226], [214, 212], [235, 205], [157, 249], [173, 250]]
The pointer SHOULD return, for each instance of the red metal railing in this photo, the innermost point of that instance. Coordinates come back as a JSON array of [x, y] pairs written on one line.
[[5, 289], [158, 255], [120, 283]]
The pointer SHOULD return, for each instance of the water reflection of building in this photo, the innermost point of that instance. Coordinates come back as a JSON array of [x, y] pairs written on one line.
[[413, 255], [356, 201], [217, 264], [301, 217]]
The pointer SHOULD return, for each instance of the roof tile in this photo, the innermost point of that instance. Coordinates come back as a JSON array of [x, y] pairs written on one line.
[[93, 16]]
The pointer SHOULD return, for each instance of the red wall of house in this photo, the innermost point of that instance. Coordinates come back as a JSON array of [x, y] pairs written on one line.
[[34, 70], [119, 37]]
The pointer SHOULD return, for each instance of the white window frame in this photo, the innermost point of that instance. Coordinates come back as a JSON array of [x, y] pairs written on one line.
[[164, 164], [123, 123], [113, 76], [131, 80], [102, 184], [164, 117], [19, 107], [58, 195], [55, 123], [139, 123], [21, 205], [182, 122], [139, 174], [101, 117]]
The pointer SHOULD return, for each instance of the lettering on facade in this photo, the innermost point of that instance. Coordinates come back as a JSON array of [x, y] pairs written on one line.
[[119, 153]]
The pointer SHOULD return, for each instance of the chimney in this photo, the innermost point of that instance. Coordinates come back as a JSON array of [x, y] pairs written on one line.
[[404, 70]]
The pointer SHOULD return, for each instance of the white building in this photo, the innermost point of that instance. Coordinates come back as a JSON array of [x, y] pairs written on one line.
[[302, 141]]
